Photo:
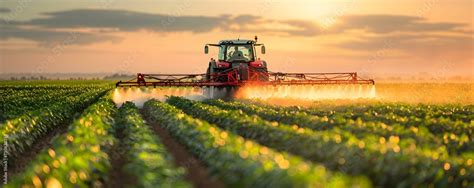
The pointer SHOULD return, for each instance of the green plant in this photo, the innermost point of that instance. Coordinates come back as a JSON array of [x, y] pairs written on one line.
[[148, 160], [77, 158], [239, 162], [373, 156], [22, 132]]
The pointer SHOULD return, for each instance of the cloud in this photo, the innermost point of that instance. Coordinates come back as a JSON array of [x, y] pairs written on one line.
[[406, 34], [49, 37], [304, 28], [394, 23], [101, 25], [105, 22], [272, 27], [244, 19], [123, 20], [418, 45], [5, 10]]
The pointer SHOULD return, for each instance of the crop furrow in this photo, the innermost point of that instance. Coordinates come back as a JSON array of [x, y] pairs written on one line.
[[447, 111], [375, 157], [239, 162], [19, 106], [146, 158], [22, 132], [438, 120], [77, 158], [421, 136]]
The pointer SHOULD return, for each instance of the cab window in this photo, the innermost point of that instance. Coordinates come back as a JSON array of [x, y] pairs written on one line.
[[239, 52], [220, 56]]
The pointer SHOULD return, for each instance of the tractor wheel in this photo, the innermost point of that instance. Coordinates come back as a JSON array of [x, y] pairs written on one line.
[[208, 74], [264, 77]]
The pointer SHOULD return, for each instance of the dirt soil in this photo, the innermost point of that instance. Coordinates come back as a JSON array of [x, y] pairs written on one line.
[[116, 177], [19, 163], [196, 170]]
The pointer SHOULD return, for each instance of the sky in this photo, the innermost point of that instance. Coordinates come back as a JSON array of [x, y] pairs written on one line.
[[372, 37]]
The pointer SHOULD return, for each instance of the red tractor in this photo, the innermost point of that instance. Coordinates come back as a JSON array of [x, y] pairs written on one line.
[[239, 55], [237, 65]]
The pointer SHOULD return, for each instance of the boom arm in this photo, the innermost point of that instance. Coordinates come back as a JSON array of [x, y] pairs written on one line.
[[230, 78]]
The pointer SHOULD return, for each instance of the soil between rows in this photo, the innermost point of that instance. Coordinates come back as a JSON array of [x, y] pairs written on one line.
[[196, 172], [117, 178], [18, 163]]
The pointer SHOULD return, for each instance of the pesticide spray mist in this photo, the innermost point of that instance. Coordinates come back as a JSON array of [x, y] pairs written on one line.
[[302, 92], [308, 92], [141, 95]]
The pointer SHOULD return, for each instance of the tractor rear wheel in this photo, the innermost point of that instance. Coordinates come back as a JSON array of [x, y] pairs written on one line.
[[208, 74]]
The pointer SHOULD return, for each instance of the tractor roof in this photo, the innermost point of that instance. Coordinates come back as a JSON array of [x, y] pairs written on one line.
[[238, 41]]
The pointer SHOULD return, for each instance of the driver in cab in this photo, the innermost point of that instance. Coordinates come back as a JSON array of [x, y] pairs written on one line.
[[237, 53]]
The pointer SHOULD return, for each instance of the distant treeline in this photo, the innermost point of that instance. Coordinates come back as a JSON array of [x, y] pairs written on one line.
[[49, 78], [119, 77], [116, 76]]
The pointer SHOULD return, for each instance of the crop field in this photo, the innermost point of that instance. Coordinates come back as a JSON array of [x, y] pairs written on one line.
[[73, 134]]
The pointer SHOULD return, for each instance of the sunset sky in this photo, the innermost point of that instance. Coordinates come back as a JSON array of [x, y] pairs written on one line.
[[372, 37]]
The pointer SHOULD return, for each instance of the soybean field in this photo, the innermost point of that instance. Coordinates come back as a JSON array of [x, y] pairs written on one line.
[[72, 134]]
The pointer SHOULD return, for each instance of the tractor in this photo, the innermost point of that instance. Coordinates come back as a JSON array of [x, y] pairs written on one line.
[[237, 65]]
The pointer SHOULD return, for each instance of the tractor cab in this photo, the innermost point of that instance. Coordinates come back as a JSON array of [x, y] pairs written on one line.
[[236, 52], [236, 55]]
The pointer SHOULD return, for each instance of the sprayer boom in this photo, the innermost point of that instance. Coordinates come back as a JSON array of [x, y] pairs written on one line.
[[237, 66], [233, 77]]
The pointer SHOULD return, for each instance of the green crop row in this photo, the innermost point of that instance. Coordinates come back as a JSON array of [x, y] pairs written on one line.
[[239, 162], [451, 111], [77, 158], [436, 124], [382, 160], [20, 105], [20, 84], [22, 132], [438, 119], [421, 135], [17, 100], [452, 125], [25, 93], [317, 122], [13, 95], [148, 160]]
